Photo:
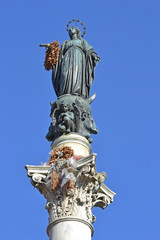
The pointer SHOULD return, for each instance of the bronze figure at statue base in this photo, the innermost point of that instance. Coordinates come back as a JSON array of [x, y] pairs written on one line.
[[71, 113]]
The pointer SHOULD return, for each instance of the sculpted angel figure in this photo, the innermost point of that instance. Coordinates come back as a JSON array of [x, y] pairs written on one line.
[[74, 71], [66, 119]]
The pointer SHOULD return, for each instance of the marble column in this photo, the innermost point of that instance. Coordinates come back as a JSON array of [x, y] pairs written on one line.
[[70, 203]]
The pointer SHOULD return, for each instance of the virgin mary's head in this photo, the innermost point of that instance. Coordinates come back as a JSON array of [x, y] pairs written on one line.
[[74, 31]]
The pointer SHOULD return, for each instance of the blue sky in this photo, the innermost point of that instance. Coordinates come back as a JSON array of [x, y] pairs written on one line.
[[126, 34]]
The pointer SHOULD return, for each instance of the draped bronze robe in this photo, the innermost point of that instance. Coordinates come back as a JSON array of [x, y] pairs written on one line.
[[74, 71]]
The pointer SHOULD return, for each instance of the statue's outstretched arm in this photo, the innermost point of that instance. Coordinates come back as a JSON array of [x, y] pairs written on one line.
[[45, 45]]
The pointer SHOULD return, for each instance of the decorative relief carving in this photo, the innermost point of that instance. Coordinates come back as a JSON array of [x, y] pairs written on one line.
[[78, 187], [71, 113]]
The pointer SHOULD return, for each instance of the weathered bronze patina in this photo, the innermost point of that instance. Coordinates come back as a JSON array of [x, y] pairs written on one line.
[[72, 77]]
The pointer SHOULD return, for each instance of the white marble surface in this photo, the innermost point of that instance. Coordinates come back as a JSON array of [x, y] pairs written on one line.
[[70, 209], [70, 230]]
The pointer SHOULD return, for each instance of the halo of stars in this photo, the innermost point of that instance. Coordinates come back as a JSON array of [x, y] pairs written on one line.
[[77, 21]]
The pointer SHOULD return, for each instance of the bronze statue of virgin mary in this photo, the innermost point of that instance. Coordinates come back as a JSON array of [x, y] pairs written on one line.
[[72, 76], [74, 71]]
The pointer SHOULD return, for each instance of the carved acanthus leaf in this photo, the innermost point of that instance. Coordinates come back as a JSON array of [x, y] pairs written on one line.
[[76, 197]]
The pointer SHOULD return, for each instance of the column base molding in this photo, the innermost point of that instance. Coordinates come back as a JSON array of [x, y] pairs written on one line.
[[71, 219]]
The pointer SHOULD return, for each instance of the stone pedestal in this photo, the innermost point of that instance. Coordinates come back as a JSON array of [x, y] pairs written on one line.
[[71, 190], [78, 143]]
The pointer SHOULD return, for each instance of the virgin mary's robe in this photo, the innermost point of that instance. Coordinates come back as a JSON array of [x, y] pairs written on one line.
[[74, 71]]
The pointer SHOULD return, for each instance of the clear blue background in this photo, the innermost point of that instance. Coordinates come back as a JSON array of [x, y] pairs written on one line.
[[126, 34]]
